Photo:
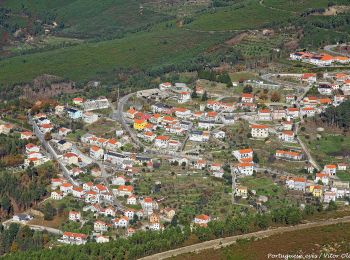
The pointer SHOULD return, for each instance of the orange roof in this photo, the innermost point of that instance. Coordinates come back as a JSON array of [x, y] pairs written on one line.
[[181, 109], [147, 200], [163, 137], [264, 111], [247, 95], [248, 150], [78, 99], [203, 217], [212, 113], [293, 109], [288, 132], [308, 75], [325, 100], [139, 121], [299, 179], [168, 118], [125, 188], [95, 148], [67, 185], [330, 166], [259, 126], [75, 235], [245, 164]]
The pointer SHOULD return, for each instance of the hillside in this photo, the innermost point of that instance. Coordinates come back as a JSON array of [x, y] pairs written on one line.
[[108, 35]]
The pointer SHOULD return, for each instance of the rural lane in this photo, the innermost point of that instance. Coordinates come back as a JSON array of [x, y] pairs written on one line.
[[222, 242]]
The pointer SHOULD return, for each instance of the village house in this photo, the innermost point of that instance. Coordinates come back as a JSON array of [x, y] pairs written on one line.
[[6, 128], [100, 226], [244, 155], [96, 152], [329, 196], [241, 191], [259, 131], [78, 192], [293, 112], [323, 177], [264, 115], [247, 98], [245, 168], [66, 188], [26, 135], [89, 117], [125, 190], [57, 195], [287, 136], [289, 155], [78, 101], [330, 169], [121, 222], [296, 183], [63, 131], [201, 220], [64, 146], [199, 136], [74, 113], [308, 111], [73, 238], [129, 213], [161, 141], [74, 215], [131, 200], [71, 158], [101, 239]]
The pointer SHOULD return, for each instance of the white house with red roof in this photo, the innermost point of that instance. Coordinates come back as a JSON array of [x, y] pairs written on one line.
[[125, 190], [245, 168], [259, 131], [161, 141], [264, 115], [323, 177], [121, 222], [57, 195], [73, 238], [131, 200], [287, 136], [330, 169], [78, 192], [74, 215], [165, 86], [308, 111], [293, 112], [309, 77], [247, 98], [184, 96], [201, 220], [100, 226], [244, 155], [129, 213], [96, 152], [32, 148], [66, 187], [71, 158], [27, 135]]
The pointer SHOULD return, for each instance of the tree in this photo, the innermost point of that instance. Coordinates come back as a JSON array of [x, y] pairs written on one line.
[[49, 211], [332, 205], [174, 221], [205, 96], [194, 93], [275, 97], [247, 89]]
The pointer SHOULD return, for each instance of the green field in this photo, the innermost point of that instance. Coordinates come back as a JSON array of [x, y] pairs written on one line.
[[97, 60], [248, 16], [295, 5], [88, 18]]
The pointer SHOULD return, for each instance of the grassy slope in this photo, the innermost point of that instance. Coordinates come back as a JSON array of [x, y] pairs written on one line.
[[334, 238], [296, 5], [93, 60], [250, 16], [90, 17]]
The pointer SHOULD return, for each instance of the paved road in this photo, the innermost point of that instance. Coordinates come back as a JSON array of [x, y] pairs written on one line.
[[306, 150], [222, 242], [330, 49], [35, 227], [50, 150]]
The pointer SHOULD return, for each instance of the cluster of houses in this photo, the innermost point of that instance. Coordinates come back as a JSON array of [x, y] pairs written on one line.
[[319, 59], [324, 186], [34, 156]]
